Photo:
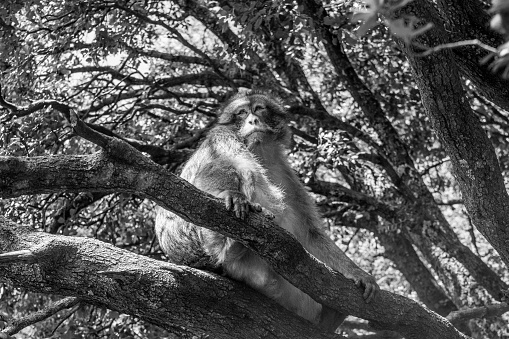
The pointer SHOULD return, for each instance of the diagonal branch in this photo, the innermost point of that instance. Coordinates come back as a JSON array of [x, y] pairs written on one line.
[[126, 170], [488, 311]]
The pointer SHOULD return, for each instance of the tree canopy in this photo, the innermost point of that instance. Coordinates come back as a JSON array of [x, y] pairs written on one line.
[[400, 120]]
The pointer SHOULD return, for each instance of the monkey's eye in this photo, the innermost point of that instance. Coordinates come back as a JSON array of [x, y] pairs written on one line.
[[258, 107], [242, 112]]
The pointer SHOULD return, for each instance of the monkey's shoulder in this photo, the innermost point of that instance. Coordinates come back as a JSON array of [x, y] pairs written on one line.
[[215, 161], [222, 145], [223, 138]]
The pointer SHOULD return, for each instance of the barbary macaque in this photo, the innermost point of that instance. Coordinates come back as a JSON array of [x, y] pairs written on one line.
[[243, 161]]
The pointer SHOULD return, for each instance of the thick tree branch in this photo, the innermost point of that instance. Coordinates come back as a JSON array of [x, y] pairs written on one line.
[[495, 310], [133, 173], [182, 300]]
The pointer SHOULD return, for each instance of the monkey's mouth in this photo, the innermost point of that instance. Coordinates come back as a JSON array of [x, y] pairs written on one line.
[[255, 138], [256, 133]]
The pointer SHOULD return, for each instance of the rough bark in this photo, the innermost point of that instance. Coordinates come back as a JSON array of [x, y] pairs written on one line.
[[473, 157], [137, 175], [182, 300], [466, 20]]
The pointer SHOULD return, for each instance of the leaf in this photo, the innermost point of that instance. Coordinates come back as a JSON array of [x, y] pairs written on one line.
[[370, 22], [368, 17], [404, 28], [349, 39], [499, 6]]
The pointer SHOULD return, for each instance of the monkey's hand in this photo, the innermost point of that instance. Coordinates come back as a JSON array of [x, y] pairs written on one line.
[[237, 201], [367, 281]]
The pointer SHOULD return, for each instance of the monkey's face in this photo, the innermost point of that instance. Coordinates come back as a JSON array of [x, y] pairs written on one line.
[[256, 118]]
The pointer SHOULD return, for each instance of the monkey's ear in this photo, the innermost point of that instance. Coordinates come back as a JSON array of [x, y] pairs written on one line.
[[223, 116], [227, 112]]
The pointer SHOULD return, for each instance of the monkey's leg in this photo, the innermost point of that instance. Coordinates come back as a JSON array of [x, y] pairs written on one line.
[[244, 265], [323, 248], [330, 319]]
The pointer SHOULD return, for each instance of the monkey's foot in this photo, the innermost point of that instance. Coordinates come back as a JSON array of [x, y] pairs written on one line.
[[267, 213]]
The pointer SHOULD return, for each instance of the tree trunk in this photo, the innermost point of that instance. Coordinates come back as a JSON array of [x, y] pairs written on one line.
[[473, 157]]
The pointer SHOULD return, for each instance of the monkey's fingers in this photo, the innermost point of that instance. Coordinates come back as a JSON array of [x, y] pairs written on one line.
[[268, 213], [237, 208], [369, 293], [228, 202], [371, 289], [241, 209], [255, 207]]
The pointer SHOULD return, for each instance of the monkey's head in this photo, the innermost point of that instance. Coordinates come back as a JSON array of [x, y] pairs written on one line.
[[256, 117]]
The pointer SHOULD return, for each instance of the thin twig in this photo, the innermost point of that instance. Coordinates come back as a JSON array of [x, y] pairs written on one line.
[[67, 316], [16, 256], [19, 324], [474, 42]]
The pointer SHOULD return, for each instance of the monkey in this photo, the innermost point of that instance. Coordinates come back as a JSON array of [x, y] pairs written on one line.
[[243, 161]]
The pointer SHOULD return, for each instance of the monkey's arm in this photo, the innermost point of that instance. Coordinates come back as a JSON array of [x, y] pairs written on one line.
[[223, 181], [324, 249]]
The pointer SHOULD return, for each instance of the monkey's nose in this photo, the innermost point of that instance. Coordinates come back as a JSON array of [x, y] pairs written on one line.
[[253, 120]]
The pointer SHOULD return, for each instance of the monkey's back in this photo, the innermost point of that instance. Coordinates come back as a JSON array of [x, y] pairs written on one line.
[[181, 241], [178, 239]]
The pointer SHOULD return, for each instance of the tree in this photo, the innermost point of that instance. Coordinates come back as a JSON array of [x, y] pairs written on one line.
[[103, 101]]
